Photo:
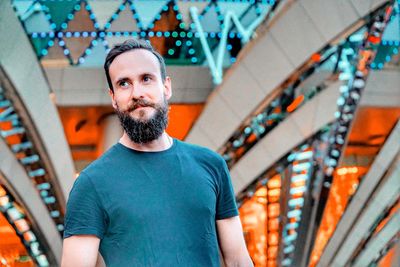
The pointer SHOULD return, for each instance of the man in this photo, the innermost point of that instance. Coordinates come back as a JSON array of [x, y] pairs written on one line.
[[151, 200]]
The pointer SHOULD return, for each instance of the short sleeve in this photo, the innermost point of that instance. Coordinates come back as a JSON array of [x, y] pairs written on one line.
[[226, 203], [85, 214]]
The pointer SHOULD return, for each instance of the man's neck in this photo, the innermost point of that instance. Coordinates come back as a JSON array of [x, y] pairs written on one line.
[[162, 143]]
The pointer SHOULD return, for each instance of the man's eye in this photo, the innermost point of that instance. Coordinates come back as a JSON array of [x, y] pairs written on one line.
[[146, 78], [124, 84]]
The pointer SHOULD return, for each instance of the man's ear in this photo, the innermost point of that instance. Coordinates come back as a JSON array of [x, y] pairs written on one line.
[[167, 87], [112, 96]]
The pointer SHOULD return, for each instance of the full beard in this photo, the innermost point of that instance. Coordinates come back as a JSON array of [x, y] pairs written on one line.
[[144, 131]]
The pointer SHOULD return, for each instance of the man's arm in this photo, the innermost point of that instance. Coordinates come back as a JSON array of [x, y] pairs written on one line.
[[231, 241], [81, 251]]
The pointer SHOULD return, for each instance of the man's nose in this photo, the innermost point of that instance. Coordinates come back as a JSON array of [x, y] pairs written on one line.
[[137, 91]]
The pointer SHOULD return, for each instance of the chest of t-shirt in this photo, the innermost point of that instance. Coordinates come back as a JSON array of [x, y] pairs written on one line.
[[154, 193]]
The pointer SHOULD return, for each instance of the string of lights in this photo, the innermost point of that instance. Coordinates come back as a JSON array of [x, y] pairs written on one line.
[[293, 95], [17, 218], [58, 30], [15, 134]]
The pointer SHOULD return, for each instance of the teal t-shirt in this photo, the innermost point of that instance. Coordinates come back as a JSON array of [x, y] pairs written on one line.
[[153, 208]]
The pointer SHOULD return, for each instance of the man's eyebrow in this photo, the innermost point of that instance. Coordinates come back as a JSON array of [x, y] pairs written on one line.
[[121, 79], [149, 73]]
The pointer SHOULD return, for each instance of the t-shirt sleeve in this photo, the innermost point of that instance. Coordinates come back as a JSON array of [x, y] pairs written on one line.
[[226, 203], [85, 214]]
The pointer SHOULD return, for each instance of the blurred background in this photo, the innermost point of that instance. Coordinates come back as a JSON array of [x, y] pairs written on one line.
[[301, 98]]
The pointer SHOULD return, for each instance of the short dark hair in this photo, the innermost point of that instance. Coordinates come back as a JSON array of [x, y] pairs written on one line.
[[128, 45]]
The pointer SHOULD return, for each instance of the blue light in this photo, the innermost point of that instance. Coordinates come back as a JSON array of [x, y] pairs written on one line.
[[189, 34], [380, 66], [51, 43], [117, 34], [96, 25], [64, 25], [77, 34], [34, 35], [51, 34], [68, 34], [81, 60], [179, 16], [94, 42], [122, 7], [194, 59], [53, 26], [229, 47], [165, 8], [176, 8], [182, 25], [395, 51], [44, 52], [233, 59], [93, 34], [143, 34], [61, 43], [167, 34], [373, 65], [77, 7], [151, 34], [54, 213], [158, 17], [191, 51], [102, 34], [88, 51], [126, 34], [88, 8], [70, 16], [384, 42], [388, 58], [159, 34], [43, 34], [60, 227], [109, 34], [151, 25], [60, 34], [188, 43], [66, 52], [107, 25], [92, 16], [178, 43], [182, 34], [114, 16]]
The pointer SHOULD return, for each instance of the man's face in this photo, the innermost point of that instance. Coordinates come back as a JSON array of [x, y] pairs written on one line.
[[140, 96]]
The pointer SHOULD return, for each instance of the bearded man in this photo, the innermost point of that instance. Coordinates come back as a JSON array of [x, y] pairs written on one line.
[[151, 200]]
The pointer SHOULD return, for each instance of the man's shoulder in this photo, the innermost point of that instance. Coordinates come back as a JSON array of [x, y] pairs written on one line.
[[201, 152], [102, 165]]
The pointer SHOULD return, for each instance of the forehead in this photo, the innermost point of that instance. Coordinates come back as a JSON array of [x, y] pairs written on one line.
[[135, 61]]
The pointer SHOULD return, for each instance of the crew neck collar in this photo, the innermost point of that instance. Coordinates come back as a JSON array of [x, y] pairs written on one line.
[[171, 148]]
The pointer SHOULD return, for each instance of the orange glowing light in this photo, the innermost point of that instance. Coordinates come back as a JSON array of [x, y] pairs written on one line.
[[274, 182], [273, 210], [316, 57], [295, 103], [343, 187]]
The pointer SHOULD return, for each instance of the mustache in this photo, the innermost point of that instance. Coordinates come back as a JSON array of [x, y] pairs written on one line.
[[139, 103]]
